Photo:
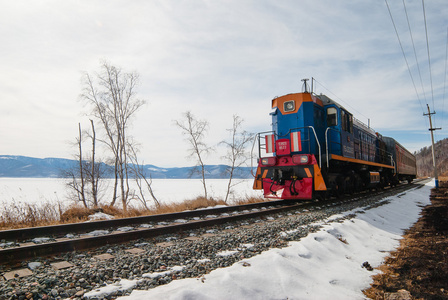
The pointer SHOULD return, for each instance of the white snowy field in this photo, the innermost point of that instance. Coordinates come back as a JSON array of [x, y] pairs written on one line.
[[324, 265], [53, 190]]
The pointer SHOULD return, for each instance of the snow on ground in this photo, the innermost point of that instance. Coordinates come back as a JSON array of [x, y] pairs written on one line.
[[324, 265], [123, 285], [100, 216], [54, 190], [31, 190]]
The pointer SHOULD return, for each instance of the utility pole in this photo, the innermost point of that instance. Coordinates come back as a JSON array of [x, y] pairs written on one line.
[[432, 140]]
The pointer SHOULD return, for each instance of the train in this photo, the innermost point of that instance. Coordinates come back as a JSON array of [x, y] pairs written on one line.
[[317, 149]]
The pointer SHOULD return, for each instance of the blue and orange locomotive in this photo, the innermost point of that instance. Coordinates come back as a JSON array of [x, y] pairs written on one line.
[[317, 149]]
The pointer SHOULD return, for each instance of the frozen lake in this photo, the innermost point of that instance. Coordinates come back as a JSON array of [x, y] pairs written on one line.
[[40, 190]]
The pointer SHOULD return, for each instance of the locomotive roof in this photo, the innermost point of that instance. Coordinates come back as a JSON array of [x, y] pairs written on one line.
[[328, 101]]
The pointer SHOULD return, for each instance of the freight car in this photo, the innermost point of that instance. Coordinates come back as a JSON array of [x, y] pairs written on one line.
[[316, 148]]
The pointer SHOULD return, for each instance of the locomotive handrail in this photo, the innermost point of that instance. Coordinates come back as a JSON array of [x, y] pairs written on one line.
[[361, 124], [309, 141], [252, 157], [326, 146], [256, 138], [318, 145], [327, 143], [392, 161], [260, 146], [259, 138]]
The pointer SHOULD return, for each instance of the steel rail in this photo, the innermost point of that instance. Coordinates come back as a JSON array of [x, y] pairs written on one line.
[[14, 254], [60, 230]]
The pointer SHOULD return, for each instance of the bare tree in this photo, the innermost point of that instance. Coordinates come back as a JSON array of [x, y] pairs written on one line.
[[95, 170], [112, 95], [195, 130], [141, 180], [75, 174], [81, 185], [74, 184], [86, 171], [94, 176], [236, 150]]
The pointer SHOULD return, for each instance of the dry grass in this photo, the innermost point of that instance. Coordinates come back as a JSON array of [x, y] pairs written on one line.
[[77, 213], [198, 203], [32, 215], [419, 264], [19, 215], [249, 200]]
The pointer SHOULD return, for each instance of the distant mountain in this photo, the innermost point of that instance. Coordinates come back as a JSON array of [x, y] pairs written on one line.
[[23, 166]]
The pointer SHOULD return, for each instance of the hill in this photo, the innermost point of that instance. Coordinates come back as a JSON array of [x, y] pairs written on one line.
[[23, 166], [424, 159]]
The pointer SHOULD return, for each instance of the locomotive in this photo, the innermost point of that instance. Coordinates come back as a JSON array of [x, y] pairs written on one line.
[[317, 149]]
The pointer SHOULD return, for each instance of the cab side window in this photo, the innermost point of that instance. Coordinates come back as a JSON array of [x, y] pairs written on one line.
[[346, 121], [332, 116], [350, 123], [343, 120]]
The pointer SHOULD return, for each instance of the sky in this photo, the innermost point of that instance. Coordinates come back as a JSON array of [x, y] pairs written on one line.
[[326, 264], [216, 59]]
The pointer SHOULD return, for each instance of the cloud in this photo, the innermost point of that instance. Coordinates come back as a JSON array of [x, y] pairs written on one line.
[[214, 58]]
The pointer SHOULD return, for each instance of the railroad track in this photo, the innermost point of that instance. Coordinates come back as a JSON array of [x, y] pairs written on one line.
[[82, 236]]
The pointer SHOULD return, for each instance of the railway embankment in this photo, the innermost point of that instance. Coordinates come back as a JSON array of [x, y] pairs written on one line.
[[418, 268], [200, 255]]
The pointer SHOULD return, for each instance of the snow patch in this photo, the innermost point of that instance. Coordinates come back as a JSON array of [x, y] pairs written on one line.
[[163, 273], [227, 253], [100, 216], [122, 285]]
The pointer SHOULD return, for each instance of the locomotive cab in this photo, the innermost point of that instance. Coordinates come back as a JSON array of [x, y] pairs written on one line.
[[339, 134]]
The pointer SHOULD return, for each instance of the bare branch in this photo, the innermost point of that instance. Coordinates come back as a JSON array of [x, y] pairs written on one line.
[[236, 150], [195, 130]]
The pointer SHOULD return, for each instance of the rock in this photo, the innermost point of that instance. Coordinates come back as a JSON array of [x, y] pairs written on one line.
[[54, 293], [367, 266], [34, 265]]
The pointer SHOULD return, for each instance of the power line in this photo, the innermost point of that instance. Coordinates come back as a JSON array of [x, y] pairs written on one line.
[[429, 57], [404, 55], [354, 109], [415, 52]]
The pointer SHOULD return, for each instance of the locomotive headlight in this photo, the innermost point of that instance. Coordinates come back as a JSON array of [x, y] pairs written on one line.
[[289, 106], [300, 159], [268, 161]]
